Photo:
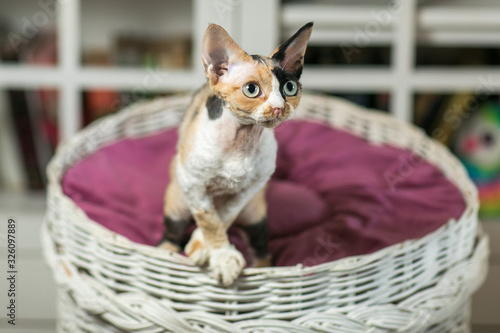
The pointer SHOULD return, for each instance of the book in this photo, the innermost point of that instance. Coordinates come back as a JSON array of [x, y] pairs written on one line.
[[33, 112], [11, 165], [42, 102], [18, 102]]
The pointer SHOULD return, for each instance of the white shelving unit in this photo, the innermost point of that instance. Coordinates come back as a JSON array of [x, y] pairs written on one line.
[[356, 24]]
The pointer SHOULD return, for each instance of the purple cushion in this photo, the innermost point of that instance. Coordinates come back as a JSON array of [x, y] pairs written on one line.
[[333, 195]]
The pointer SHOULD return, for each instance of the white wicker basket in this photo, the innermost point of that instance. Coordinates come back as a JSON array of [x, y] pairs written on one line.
[[107, 283]]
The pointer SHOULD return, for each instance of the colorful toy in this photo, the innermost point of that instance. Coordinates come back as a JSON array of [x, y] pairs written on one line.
[[477, 144]]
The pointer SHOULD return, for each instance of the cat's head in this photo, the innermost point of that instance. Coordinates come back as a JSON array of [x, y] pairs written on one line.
[[257, 89]]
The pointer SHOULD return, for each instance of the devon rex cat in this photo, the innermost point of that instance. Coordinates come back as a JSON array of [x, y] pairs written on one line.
[[227, 150]]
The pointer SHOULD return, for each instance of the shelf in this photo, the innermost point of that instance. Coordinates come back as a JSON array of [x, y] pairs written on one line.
[[89, 77], [438, 79], [27, 76], [150, 79], [344, 37], [318, 78], [347, 79], [426, 79]]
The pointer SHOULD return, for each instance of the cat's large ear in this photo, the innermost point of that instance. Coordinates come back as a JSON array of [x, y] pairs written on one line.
[[218, 50], [290, 54]]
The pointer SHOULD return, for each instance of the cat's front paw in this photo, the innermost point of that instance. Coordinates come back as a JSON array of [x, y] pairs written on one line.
[[196, 249], [226, 264]]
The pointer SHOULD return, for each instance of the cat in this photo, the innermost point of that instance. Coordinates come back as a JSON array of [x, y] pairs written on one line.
[[226, 151]]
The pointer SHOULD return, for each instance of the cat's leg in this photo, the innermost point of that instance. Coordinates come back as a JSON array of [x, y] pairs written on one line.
[[253, 220], [207, 236], [177, 215], [209, 242]]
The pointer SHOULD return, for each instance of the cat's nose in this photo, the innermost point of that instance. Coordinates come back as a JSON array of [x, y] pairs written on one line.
[[277, 111]]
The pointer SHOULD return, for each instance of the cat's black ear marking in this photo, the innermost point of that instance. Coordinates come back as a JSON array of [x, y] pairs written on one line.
[[214, 106], [290, 54]]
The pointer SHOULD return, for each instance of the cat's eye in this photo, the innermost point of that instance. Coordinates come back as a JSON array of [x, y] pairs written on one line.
[[290, 88], [251, 90]]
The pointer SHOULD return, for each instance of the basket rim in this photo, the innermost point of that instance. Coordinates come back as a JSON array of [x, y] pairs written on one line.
[[55, 175]]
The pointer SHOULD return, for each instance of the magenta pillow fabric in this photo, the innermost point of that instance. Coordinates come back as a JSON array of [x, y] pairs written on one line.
[[333, 194]]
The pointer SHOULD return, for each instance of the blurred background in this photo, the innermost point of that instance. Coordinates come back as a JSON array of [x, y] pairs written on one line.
[[66, 63]]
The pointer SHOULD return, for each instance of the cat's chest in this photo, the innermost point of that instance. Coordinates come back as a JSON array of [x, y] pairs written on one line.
[[228, 162], [232, 176]]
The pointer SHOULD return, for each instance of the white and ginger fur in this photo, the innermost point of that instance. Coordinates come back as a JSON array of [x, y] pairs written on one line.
[[227, 151]]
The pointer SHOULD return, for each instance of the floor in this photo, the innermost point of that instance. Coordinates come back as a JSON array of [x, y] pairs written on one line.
[[35, 308]]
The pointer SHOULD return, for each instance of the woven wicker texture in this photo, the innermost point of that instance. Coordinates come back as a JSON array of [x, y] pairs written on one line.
[[107, 283]]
